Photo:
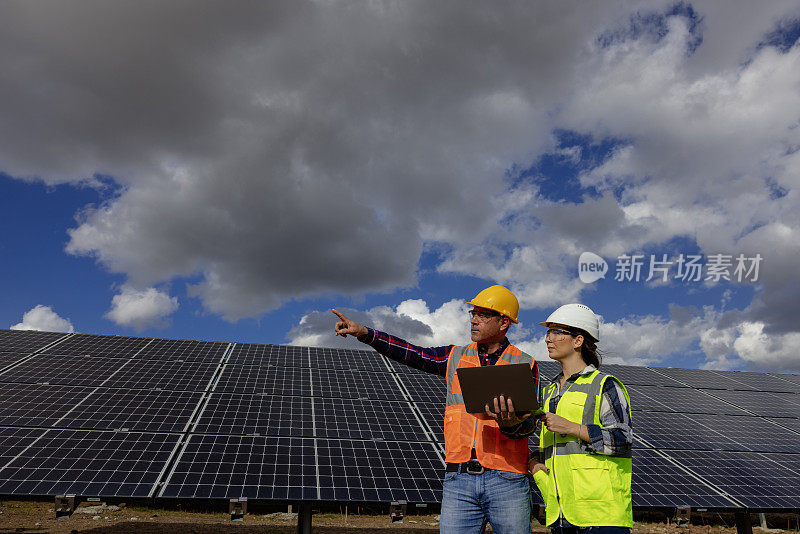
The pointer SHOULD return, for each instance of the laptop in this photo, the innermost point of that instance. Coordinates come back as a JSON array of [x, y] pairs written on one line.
[[480, 385]]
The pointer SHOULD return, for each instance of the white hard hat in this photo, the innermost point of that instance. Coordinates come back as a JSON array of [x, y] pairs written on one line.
[[576, 316]]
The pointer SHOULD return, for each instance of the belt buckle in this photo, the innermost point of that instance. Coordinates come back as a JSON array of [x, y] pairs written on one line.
[[474, 467]]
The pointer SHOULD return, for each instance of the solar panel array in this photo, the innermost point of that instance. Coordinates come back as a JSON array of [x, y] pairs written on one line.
[[113, 416]]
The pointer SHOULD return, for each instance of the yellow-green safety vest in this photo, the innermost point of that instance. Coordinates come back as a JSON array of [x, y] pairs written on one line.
[[588, 488]]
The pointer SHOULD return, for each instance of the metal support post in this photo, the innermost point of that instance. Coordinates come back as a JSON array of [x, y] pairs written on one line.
[[304, 518], [683, 516], [743, 524]]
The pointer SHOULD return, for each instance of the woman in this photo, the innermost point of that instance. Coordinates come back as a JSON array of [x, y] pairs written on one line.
[[583, 469]]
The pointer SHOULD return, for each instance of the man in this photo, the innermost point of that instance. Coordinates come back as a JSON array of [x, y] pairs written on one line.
[[486, 478]]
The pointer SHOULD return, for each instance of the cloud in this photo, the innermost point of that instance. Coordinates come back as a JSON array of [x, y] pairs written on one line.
[[45, 319], [411, 320], [748, 345], [142, 308]]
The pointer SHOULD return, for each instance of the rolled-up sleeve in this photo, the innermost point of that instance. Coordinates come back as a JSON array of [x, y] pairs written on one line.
[[613, 435]]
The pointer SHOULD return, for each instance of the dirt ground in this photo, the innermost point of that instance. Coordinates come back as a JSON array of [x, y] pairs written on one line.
[[39, 517]]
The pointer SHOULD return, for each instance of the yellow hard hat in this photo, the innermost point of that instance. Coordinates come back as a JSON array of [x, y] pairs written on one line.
[[499, 299]]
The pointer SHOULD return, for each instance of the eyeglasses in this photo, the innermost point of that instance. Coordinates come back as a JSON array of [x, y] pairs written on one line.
[[557, 335], [483, 315]]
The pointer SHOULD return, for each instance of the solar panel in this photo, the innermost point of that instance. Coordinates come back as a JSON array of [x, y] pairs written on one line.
[[366, 360], [104, 464], [108, 346], [26, 341], [134, 409], [760, 381], [548, 370], [189, 351], [377, 420], [354, 384], [10, 358], [173, 375], [793, 378], [268, 355], [230, 413], [66, 370], [403, 369], [379, 471], [425, 387], [256, 467], [268, 380], [37, 405], [15, 440], [761, 403], [433, 414], [632, 375], [663, 430], [752, 433], [678, 400], [658, 482], [757, 480], [699, 378]]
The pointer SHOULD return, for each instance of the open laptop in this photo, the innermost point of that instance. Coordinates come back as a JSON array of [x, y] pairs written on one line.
[[480, 385]]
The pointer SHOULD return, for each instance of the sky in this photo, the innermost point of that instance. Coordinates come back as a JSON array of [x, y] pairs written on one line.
[[232, 171]]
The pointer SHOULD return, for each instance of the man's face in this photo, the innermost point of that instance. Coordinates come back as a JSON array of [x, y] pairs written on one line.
[[486, 325]]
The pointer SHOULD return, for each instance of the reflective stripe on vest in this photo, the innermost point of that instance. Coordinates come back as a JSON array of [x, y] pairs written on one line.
[[590, 489], [463, 431]]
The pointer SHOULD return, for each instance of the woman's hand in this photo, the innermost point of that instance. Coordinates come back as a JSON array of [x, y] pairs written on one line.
[[559, 425], [535, 465]]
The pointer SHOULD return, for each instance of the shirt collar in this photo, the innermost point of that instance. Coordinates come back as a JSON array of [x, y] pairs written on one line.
[[503, 346], [586, 370]]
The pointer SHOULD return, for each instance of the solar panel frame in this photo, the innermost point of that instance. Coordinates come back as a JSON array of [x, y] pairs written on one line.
[[184, 350], [14, 440], [760, 402], [273, 415], [173, 375], [89, 463], [638, 375], [702, 378], [424, 387], [757, 480], [658, 482], [100, 346], [433, 415], [751, 433], [37, 405], [354, 384], [403, 369], [27, 341], [257, 467], [359, 419], [668, 430], [269, 380], [10, 358], [268, 355], [138, 410], [760, 382], [346, 359], [68, 370], [679, 400], [379, 471]]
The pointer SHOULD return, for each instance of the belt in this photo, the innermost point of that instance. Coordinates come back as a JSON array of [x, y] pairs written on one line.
[[473, 467]]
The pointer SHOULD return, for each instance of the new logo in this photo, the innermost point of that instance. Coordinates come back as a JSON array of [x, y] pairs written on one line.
[[591, 267]]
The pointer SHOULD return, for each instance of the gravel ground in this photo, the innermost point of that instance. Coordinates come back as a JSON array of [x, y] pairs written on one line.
[[39, 516]]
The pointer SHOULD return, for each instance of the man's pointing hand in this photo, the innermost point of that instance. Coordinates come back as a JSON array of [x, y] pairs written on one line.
[[345, 326]]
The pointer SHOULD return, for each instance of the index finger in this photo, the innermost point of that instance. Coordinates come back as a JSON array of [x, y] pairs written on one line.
[[339, 315]]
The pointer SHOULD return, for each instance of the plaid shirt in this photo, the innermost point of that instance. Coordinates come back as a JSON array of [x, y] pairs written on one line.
[[434, 360], [613, 435]]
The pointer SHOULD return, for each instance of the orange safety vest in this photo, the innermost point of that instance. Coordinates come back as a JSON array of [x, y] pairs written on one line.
[[463, 431]]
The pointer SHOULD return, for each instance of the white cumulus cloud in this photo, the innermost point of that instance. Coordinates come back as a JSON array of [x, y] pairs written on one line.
[[43, 318], [142, 308]]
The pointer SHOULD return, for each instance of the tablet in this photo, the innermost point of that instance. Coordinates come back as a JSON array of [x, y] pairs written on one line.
[[480, 385]]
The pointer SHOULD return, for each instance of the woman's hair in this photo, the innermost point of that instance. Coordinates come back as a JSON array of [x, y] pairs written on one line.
[[589, 351]]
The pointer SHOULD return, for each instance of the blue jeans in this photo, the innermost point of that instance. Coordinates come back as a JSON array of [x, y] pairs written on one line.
[[499, 497]]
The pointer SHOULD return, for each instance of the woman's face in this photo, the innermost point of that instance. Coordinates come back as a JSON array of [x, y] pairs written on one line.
[[560, 346]]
